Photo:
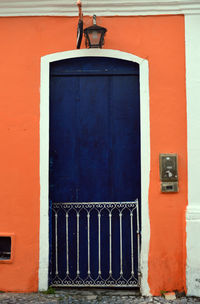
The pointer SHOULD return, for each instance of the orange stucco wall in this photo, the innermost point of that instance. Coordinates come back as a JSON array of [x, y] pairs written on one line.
[[160, 39]]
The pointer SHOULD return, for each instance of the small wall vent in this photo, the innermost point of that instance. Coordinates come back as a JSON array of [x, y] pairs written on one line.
[[5, 248]]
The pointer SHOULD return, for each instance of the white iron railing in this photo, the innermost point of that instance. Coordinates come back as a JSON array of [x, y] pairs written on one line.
[[125, 218]]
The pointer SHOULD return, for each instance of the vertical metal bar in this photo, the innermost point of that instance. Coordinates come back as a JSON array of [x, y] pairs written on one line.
[[67, 244], [110, 242], [99, 239], [56, 241], [120, 227], [77, 216], [138, 237], [132, 257], [88, 222]]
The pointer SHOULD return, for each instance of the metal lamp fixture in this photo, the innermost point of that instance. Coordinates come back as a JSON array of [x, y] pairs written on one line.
[[94, 35]]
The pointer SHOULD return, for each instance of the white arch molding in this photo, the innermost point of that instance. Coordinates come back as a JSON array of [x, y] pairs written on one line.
[[44, 156]]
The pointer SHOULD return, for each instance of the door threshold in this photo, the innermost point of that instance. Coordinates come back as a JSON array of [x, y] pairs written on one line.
[[135, 291]]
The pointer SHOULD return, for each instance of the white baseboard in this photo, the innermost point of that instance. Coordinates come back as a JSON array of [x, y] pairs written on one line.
[[193, 250]]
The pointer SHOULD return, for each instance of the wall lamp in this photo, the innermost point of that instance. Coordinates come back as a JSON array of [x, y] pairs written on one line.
[[94, 35]]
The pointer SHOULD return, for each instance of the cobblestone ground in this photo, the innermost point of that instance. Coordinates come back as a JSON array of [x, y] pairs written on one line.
[[94, 297]]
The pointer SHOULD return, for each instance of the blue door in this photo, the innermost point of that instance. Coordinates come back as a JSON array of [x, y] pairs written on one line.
[[94, 172]]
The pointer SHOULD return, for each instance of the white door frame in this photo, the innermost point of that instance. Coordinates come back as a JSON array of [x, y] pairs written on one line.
[[44, 156]]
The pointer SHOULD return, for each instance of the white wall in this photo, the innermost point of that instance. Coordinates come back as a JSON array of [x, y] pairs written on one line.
[[192, 35]]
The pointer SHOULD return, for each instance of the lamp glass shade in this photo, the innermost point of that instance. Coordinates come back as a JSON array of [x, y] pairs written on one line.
[[94, 36]]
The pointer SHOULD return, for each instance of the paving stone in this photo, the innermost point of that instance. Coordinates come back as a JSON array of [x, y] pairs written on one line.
[[89, 297], [183, 301]]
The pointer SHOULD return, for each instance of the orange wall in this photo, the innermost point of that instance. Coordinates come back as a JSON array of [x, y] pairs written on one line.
[[160, 39]]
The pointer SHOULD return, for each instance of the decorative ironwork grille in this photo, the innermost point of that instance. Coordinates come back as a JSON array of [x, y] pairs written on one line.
[[95, 244]]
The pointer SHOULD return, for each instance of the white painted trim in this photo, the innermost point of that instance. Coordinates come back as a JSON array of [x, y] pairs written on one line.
[[145, 172], [193, 213], [44, 155], [192, 29], [44, 176], [193, 250], [99, 7]]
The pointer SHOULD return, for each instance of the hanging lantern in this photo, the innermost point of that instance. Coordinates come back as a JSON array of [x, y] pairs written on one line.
[[94, 35]]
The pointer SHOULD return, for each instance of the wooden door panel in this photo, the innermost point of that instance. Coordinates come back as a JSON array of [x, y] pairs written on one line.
[[94, 172]]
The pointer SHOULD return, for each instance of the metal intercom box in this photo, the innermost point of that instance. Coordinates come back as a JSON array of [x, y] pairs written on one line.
[[168, 172], [168, 167]]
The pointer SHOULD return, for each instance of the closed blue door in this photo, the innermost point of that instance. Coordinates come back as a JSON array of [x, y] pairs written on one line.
[[94, 172]]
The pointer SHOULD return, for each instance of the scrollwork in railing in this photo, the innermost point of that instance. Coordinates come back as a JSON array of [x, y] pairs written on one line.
[[118, 211]]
